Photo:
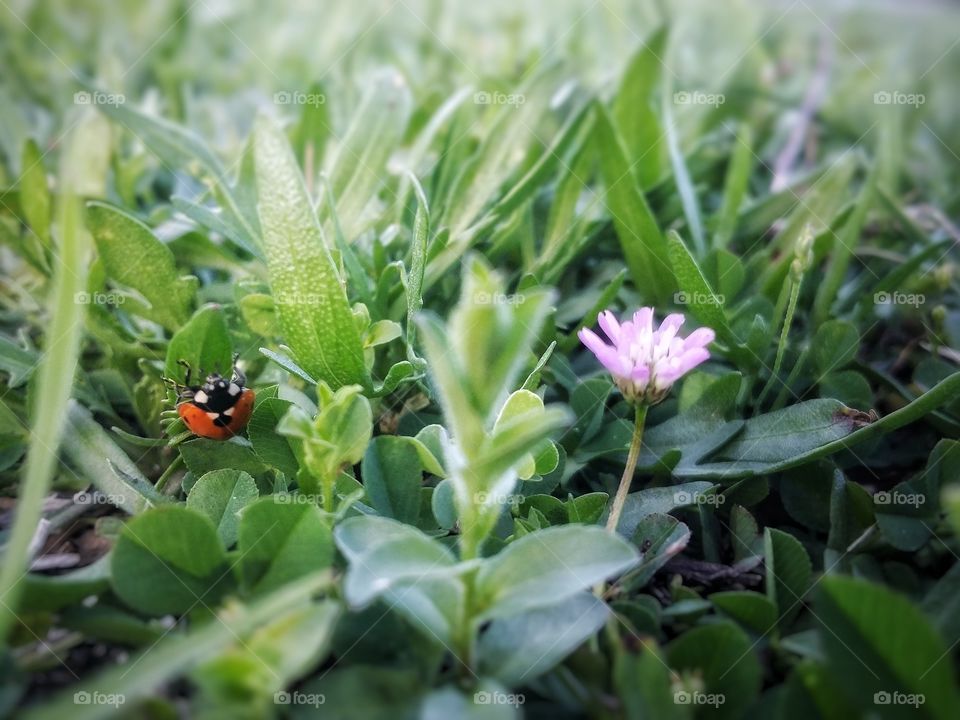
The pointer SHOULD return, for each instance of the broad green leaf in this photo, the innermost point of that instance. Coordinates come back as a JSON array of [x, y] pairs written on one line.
[[754, 611], [135, 258], [659, 537], [280, 542], [549, 566], [878, 642], [221, 495], [519, 648], [204, 344], [392, 476], [16, 361], [203, 455], [274, 449], [724, 657], [834, 345], [311, 303], [169, 560], [788, 573], [488, 700]]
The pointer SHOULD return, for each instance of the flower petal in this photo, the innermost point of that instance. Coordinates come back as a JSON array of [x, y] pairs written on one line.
[[701, 337], [643, 320], [608, 322], [606, 354]]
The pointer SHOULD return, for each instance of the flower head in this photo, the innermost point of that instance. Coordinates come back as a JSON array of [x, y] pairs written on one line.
[[645, 363]]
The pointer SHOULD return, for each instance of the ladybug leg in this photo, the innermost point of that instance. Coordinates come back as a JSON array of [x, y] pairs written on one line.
[[186, 379], [239, 376]]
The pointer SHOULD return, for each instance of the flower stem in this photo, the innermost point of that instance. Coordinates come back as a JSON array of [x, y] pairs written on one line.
[[632, 456]]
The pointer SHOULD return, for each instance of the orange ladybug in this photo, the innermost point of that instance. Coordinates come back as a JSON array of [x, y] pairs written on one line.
[[219, 408]]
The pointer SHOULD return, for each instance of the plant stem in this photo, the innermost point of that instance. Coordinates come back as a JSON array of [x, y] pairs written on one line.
[[782, 345], [632, 456]]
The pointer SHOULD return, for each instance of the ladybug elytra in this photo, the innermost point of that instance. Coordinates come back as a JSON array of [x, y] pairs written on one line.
[[219, 408]]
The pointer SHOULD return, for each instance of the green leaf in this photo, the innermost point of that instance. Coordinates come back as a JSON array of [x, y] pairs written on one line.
[[392, 477], [705, 305], [16, 361], [834, 345], [310, 300], [169, 560], [134, 258], [723, 655], [274, 449], [177, 654], [203, 455], [659, 538], [221, 495], [203, 343], [878, 642], [633, 110], [644, 247], [751, 609], [549, 566], [788, 573], [35, 201], [519, 648], [279, 542]]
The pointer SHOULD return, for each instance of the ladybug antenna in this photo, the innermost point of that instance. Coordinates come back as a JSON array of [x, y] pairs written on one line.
[[185, 364]]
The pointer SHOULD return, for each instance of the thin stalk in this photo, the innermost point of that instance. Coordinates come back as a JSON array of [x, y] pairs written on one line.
[[782, 345], [632, 456]]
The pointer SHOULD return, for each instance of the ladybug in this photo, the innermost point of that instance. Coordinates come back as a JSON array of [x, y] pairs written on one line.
[[219, 408]]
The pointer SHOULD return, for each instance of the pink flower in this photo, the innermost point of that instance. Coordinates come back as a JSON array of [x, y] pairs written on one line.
[[645, 363]]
